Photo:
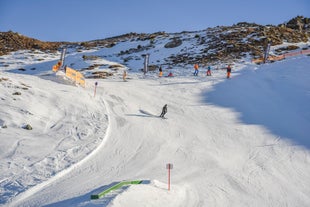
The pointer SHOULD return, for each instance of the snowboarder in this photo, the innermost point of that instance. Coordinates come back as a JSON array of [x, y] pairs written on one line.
[[209, 71], [228, 71], [164, 111], [196, 69]]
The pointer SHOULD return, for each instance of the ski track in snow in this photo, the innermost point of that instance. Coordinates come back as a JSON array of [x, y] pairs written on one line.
[[219, 159], [75, 144]]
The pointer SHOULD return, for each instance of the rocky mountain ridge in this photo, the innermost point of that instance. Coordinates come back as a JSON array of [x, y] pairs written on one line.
[[13, 41], [221, 43]]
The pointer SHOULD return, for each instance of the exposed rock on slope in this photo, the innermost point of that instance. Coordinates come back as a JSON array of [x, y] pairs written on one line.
[[215, 44], [12, 41]]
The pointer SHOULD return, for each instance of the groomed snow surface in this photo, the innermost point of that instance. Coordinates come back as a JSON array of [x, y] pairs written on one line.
[[238, 142]]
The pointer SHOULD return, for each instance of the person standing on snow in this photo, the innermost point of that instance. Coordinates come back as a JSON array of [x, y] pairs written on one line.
[[196, 69], [209, 71], [228, 71], [124, 76], [160, 72], [164, 111], [170, 75]]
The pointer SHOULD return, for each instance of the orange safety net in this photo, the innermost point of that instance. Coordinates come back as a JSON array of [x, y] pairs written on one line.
[[76, 76]]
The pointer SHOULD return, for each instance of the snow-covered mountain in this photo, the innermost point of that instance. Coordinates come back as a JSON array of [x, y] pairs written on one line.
[[242, 141], [221, 44]]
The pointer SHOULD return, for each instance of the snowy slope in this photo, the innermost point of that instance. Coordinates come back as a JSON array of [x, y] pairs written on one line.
[[238, 142], [63, 132]]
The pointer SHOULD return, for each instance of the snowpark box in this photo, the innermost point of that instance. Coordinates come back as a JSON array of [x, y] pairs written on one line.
[[113, 186]]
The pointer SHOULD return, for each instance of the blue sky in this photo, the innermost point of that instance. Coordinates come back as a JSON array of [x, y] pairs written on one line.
[[81, 20]]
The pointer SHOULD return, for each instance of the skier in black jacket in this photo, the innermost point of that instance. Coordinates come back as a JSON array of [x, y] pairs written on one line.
[[164, 111]]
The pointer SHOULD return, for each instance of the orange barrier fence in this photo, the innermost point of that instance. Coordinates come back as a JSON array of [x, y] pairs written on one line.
[[258, 60], [305, 52], [275, 58], [76, 76], [281, 57], [291, 54]]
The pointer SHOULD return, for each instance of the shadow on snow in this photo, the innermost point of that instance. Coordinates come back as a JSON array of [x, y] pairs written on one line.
[[271, 98], [84, 200], [144, 114]]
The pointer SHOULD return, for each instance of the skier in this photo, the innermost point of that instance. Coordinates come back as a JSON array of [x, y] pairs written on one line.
[[124, 76], [209, 71], [164, 111], [170, 75], [160, 72], [196, 69], [228, 71]]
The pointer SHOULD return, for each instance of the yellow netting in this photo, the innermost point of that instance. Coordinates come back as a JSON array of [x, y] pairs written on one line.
[[75, 76]]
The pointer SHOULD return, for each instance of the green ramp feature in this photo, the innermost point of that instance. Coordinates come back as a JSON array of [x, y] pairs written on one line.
[[115, 187]]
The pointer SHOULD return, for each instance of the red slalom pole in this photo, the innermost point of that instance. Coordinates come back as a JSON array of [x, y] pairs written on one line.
[[169, 179], [169, 166]]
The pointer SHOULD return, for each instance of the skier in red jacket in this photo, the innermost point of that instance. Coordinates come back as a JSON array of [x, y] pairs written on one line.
[[228, 71]]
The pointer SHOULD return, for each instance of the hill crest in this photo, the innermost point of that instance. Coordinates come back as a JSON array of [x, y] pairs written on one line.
[[220, 43]]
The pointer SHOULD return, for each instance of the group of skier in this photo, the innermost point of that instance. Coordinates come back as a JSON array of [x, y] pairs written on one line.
[[161, 73], [196, 70]]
